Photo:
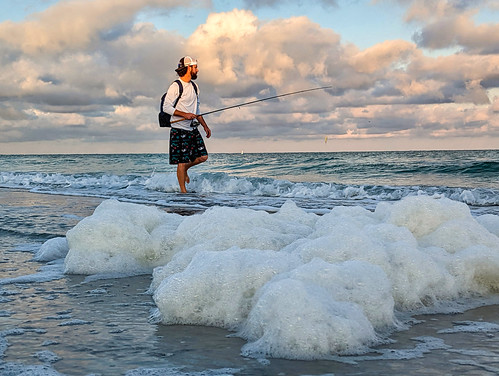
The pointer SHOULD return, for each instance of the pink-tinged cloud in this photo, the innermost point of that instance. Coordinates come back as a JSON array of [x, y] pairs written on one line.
[[383, 55], [450, 23], [97, 79], [235, 46], [76, 24]]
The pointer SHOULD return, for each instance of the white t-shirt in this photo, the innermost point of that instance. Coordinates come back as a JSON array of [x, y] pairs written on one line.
[[188, 102]]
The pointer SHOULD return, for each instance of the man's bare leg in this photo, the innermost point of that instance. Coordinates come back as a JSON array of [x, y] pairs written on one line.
[[182, 168], [181, 173]]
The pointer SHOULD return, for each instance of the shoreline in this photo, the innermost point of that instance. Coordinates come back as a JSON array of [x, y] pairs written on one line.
[[18, 196]]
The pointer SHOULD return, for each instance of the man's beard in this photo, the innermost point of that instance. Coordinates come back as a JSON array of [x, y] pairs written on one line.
[[194, 76]]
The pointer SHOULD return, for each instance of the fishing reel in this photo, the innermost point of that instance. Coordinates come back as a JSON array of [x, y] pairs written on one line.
[[195, 123]]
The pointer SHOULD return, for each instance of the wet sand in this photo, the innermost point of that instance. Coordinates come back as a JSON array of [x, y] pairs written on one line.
[[79, 326]]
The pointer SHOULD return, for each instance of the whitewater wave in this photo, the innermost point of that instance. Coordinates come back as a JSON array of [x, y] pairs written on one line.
[[144, 189], [224, 183]]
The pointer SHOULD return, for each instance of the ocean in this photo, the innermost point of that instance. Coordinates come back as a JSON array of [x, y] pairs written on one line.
[[354, 263]]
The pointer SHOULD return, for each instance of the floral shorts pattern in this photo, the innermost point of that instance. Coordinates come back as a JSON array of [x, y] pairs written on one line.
[[186, 146]]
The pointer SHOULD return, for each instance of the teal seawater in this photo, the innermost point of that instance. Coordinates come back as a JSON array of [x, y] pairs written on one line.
[[316, 181]]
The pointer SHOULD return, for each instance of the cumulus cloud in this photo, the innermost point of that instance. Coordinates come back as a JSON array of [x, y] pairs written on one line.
[[383, 55], [495, 107], [252, 4], [460, 31], [450, 23], [10, 113], [238, 53], [236, 46], [66, 64], [77, 24], [88, 71]]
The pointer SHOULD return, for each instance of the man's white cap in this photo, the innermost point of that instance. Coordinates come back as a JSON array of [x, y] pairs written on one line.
[[185, 62]]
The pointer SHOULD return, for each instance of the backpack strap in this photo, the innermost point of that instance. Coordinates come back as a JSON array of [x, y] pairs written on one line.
[[180, 91], [162, 102]]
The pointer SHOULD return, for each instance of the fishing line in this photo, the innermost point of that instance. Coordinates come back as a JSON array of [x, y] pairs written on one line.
[[260, 100]]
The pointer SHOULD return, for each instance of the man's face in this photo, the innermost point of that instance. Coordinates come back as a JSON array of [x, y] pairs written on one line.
[[194, 72]]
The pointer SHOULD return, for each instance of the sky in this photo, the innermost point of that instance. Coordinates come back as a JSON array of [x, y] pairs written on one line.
[[86, 76]]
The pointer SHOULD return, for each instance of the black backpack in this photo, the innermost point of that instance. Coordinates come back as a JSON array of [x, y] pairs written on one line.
[[163, 117]]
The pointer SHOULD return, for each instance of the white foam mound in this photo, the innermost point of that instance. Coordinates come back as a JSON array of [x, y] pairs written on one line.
[[120, 237], [52, 249], [490, 222], [319, 309], [217, 288], [293, 284], [301, 321]]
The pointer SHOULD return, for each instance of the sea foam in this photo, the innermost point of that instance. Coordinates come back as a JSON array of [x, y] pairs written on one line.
[[119, 237], [52, 249], [294, 284]]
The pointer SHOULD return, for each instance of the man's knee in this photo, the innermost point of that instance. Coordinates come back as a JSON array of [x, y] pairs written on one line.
[[203, 158]]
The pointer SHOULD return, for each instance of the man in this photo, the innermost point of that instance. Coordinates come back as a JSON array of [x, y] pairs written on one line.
[[187, 147]]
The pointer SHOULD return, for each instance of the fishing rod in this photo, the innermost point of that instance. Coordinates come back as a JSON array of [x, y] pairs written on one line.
[[260, 100]]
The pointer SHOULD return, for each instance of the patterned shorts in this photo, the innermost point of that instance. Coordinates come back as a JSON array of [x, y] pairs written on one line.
[[186, 146]]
